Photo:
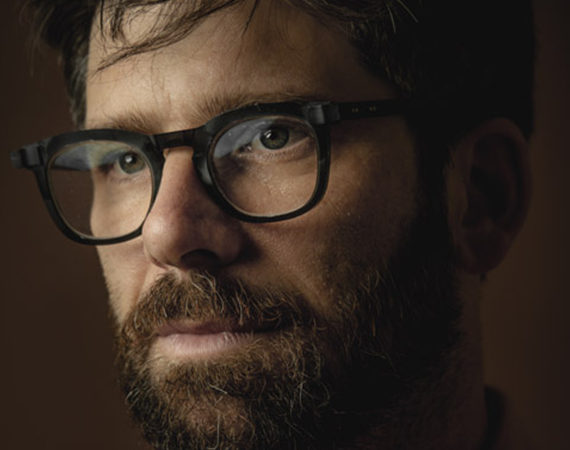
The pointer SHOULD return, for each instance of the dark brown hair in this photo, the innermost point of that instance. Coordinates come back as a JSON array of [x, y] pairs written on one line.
[[464, 60]]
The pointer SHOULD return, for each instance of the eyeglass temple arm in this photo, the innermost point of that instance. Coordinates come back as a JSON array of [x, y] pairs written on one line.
[[328, 113], [28, 157], [361, 110]]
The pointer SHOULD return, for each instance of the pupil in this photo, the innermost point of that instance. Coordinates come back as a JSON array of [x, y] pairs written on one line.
[[129, 163], [275, 138]]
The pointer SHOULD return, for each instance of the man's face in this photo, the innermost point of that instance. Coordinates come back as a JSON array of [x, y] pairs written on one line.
[[252, 335]]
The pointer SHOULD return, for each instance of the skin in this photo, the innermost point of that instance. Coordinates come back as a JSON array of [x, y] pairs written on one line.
[[371, 195], [185, 229]]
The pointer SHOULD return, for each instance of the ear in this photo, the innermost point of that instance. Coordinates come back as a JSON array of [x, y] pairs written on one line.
[[498, 188]]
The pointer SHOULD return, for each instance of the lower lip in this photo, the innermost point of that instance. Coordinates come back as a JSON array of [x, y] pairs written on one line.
[[203, 345]]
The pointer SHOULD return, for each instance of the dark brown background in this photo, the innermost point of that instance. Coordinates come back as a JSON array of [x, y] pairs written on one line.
[[58, 388]]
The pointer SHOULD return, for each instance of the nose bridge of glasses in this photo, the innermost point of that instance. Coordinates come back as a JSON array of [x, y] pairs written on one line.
[[183, 138]]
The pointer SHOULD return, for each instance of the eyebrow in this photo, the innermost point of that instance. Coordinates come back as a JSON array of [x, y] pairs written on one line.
[[200, 112]]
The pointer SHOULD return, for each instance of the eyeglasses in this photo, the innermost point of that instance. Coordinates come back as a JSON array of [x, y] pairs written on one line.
[[261, 163]]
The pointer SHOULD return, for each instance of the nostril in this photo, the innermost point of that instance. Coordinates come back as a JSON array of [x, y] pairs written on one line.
[[199, 258]]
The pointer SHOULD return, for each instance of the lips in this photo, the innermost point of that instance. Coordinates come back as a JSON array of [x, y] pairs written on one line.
[[200, 328], [199, 340]]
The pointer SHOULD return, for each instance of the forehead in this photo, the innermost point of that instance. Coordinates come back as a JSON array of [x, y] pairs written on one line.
[[225, 62]]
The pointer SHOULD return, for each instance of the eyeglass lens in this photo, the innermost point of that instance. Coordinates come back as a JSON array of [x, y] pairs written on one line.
[[103, 189], [266, 166], [263, 167]]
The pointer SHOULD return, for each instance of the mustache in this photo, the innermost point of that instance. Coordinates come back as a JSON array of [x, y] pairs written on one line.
[[201, 297]]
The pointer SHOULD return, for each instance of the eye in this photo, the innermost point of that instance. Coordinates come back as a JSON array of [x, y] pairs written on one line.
[[130, 163], [275, 138], [264, 137]]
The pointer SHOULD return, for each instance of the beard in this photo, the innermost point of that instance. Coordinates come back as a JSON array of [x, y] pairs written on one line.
[[368, 367]]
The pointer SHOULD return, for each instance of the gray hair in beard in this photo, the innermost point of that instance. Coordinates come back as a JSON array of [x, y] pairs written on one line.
[[387, 341]]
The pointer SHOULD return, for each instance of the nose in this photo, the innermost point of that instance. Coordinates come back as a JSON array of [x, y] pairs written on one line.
[[185, 229]]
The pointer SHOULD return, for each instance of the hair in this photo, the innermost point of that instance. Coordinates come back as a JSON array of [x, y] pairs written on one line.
[[465, 61]]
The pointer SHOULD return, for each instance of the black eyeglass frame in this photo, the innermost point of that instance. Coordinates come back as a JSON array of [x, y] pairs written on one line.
[[319, 115]]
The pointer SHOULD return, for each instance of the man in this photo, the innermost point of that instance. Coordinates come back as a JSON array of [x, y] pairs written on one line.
[[295, 205]]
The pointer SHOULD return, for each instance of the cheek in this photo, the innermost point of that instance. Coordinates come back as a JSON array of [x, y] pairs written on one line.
[[124, 268], [365, 214], [373, 187]]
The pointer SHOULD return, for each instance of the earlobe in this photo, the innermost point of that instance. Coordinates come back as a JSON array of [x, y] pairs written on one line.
[[498, 193]]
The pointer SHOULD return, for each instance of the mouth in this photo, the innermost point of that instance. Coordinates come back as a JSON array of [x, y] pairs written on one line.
[[197, 340]]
